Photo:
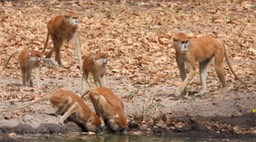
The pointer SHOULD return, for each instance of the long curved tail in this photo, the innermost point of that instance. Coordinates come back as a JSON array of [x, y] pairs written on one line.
[[7, 61], [230, 65], [46, 42], [25, 106]]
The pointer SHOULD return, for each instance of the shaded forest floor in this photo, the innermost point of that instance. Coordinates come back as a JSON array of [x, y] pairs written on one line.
[[141, 68]]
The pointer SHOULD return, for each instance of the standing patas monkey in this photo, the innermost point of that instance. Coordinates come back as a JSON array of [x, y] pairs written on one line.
[[28, 60], [109, 108], [202, 50], [62, 28], [94, 63]]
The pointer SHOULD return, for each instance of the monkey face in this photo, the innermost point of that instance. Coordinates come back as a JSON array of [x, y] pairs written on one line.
[[74, 21], [35, 59], [116, 123], [100, 62], [93, 124], [71, 20], [183, 46]]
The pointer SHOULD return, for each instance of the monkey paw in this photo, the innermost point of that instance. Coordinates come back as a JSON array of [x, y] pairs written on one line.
[[180, 94], [61, 122]]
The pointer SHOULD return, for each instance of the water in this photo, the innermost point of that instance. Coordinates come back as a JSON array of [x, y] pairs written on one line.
[[128, 138]]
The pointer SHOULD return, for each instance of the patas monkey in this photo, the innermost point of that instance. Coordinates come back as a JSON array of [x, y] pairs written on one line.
[[109, 108], [69, 104], [62, 28], [94, 63], [28, 60], [202, 50]]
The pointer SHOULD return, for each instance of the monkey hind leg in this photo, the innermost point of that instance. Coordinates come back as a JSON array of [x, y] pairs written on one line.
[[97, 80], [49, 54], [219, 68], [24, 76], [203, 76], [57, 57], [29, 79], [57, 47], [64, 106]]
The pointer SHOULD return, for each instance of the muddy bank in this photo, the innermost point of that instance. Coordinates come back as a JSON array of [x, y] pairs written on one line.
[[188, 126]]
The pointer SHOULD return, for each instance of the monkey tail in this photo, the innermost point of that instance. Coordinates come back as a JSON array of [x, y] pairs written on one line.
[[46, 42], [230, 65], [27, 105], [7, 61]]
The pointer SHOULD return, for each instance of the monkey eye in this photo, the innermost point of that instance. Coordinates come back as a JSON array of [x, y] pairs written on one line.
[[75, 17], [184, 42]]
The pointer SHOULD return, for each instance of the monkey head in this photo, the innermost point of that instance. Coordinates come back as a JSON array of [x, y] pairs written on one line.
[[181, 42]]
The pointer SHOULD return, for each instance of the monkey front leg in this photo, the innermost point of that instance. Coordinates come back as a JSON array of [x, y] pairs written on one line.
[[103, 80], [182, 70], [84, 85], [182, 88], [37, 77], [76, 43], [24, 76]]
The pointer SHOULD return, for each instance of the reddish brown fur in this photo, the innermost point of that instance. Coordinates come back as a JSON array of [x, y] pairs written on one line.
[[64, 100], [28, 60], [202, 50], [60, 29], [89, 61], [94, 63], [109, 107]]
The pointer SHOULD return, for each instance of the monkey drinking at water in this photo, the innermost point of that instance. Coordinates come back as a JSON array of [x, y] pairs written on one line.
[[202, 50], [109, 108], [68, 104], [63, 28], [28, 60]]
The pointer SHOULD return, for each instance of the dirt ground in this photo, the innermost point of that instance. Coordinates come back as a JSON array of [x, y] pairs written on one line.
[[141, 67]]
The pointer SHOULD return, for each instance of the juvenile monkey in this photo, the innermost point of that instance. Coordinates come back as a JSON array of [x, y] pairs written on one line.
[[63, 28], [109, 108], [28, 60], [202, 50], [94, 63], [69, 104]]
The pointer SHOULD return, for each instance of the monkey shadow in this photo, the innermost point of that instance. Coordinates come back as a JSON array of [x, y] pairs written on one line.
[[21, 86], [16, 84], [189, 95]]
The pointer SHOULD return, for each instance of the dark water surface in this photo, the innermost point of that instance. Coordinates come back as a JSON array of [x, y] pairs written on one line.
[[127, 138]]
